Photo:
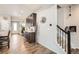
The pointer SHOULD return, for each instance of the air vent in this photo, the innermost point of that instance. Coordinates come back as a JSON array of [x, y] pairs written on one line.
[[58, 6]]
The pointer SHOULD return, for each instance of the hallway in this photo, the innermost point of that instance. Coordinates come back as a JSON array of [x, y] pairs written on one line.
[[34, 23]]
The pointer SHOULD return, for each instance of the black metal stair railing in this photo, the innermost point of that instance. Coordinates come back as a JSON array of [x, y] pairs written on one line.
[[63, 39]]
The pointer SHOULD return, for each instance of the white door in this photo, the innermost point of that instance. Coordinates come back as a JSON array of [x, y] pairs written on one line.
[[15, 27]]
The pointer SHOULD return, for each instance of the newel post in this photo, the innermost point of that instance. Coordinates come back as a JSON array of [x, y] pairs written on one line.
[[69, 43]]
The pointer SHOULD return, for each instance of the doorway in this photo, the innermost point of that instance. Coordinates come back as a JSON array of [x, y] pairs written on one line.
[[15, 26]]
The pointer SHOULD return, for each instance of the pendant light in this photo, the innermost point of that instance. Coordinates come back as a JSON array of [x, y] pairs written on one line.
[[70, 10]]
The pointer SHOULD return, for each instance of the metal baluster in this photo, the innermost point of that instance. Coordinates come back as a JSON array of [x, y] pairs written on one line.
[[65, 41], [57, 35], [60, 37], [63, 38]]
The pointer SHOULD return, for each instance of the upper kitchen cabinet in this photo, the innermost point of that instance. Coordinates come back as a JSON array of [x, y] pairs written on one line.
[[31, 19]]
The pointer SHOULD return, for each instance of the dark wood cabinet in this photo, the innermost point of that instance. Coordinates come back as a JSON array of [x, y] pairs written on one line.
[[31, 36]]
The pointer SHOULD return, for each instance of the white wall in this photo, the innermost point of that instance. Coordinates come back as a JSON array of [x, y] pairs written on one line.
[[75, 21], [47, 35], [60, 17], [63, 18], [5, 23]]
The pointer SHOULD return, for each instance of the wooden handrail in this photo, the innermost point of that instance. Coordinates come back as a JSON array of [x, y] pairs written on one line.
[[61, 29]]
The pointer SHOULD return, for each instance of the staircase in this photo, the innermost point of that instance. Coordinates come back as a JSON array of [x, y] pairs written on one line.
[[63, 39]]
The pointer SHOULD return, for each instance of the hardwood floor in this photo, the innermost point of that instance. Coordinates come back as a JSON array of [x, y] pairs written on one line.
[[27, 48], [75, 51], [37, 49]]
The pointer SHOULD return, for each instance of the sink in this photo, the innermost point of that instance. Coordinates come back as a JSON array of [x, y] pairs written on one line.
[[30, 29]]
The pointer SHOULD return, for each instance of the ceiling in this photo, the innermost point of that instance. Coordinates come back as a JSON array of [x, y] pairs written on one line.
[[21, 9], [63, 5]]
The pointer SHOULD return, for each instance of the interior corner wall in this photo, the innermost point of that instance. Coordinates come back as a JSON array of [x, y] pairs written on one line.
[[75, 22], [46, 34], [72, 20]]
